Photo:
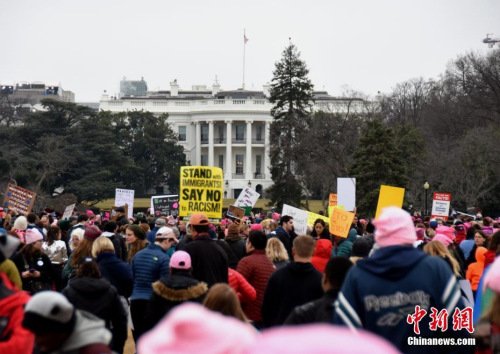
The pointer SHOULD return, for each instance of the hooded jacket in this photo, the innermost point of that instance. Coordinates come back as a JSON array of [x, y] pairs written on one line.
[[14, 338], [238, 245], [100, 298], [345, 246], [290, 286], [322, 254], [475, 270], [117, 272], [286, 239], [172, 291], [380, 292]]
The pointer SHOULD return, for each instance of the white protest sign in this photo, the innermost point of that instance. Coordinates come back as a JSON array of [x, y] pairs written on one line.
[[68, 212], [125, 196], [299, 218], [346, 193], [441, 205], [247, 197]]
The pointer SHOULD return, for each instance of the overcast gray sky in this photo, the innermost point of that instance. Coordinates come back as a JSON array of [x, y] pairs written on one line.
[[368, 45]]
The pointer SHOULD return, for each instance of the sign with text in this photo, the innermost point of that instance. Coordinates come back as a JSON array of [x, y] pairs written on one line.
[[312, 217], [165, 205], [19, 199], [389, 196], [299, 216], [340, 222], [441, 205], [247, 198], [68, 212], [125, 196], [332, 201], [201, 191], [235, 212], [346, 193]]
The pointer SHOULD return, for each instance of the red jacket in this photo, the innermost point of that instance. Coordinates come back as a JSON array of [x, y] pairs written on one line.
[[256, 268], [322, 254], [245, 292], [489, 257], [14, 338]]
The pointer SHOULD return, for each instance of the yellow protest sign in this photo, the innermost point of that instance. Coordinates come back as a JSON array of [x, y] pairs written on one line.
[[201, 191], [330, 209], [389, 196], [332, 201], [312, 217], [340, 222]]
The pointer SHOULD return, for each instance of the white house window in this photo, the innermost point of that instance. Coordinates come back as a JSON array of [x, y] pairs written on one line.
[[239, 164], [182, 133], [240, 132]]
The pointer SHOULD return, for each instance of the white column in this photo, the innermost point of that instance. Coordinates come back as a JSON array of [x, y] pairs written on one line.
[[197, 145], [267, 163], [248, 160], [227, 166], [211, 143]]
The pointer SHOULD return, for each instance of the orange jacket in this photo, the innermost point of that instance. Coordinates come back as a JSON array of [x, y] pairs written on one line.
[[475, 270]]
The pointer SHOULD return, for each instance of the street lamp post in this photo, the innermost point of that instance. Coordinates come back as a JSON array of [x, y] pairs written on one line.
[[426, 187]]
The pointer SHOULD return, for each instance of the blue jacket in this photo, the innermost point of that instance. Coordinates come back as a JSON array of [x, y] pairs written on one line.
[[380, 292], [148, 266], [345, 246], [117, 272], [466, 246]]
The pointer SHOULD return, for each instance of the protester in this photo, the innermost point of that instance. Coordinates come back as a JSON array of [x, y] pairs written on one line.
[[60, 328], [480, 240], [20, 226], [81, 222], [322, 253], [119, 245], [208, 259], [321, 310], [56, 250], [276, 252], [244, 291], [159, 223], [320, 230], [34, 266], [148, 266], [136, 240], [176, 288], [14, 338], [475, 270], [76, 237], [235, 241], [116, 271], [343, 246], [397, 270], [437, 248], [84, 250], [89, 291], [121, 218], [299, 280], [468, 243], [222, 298], [493, 249], [360, 249], [283, 233], [8, 245]]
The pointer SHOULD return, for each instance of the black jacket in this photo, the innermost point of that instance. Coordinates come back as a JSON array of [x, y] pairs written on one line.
[[238, 245], [231, 257], [288, 287], [317, 311], [171, 291], [208, 260], [117, 272], [100, 298], [40, 263]]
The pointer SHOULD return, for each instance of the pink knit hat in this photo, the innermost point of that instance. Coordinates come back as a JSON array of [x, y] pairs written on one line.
[[318, 339], [492, 279], [394, 227], [276, 216], [445, 240], [191, 328], [256, 227], [447, 231], [33, 235]]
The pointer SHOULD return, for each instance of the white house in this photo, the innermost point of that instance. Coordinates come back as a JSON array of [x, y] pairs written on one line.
[[226, 129]]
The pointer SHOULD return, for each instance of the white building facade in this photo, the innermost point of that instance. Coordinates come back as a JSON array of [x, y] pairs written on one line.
[[226, 129]]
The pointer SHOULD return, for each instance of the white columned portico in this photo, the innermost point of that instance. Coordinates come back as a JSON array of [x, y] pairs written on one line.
[[228, 167], [248, 159], [210, 143], [267, 144], [198, 144]]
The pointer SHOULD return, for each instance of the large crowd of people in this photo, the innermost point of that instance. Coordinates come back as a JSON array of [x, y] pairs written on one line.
[[395, 284]]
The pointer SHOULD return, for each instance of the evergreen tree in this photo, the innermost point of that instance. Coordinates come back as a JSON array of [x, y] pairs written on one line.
[[377, 161], [291, 96]]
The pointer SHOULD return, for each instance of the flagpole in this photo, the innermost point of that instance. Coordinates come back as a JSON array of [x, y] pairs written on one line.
[[244, 47]]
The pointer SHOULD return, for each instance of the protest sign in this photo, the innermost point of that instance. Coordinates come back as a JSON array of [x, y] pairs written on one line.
[[441, 205], [247, 198], [312, 217], [235, 212], [165, 205], [125, 196], [346, 193], [332, 201], [340, 222], [299, 218], [68, 211], [201, 191], [389, 196], [19, 199]]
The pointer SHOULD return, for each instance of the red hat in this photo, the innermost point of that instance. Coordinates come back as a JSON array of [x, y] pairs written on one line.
[[91, 233]]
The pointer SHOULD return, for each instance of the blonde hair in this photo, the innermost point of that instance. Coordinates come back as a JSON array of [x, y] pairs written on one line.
[[436, 248], [275, 250], [102, 244], [265, 224]]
